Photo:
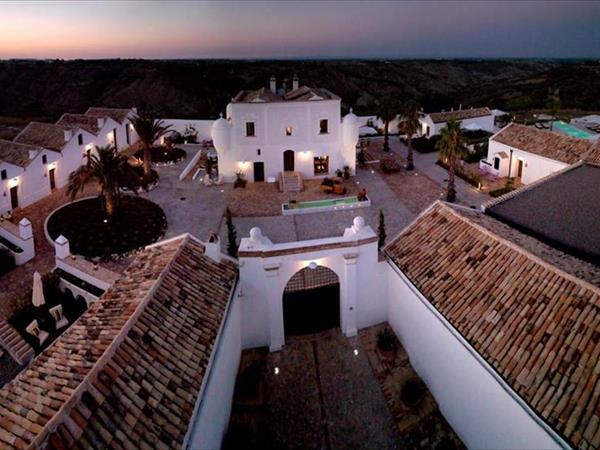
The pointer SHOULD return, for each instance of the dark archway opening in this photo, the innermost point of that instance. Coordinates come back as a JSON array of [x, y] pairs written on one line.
[[311, 302]]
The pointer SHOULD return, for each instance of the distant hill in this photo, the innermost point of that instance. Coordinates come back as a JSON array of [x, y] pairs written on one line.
[[202, 88]]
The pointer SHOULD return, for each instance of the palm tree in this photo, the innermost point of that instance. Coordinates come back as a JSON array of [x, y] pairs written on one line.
[[111, 170], [450, 146], [411, 126], [386, 114], [149, 130]]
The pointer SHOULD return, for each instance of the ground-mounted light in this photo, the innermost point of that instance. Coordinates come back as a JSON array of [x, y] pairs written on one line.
[[312, 265], [276, 371], [355, 352]]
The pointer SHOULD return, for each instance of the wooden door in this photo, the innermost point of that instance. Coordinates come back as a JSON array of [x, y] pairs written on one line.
[[520, 168], [52, 179], [288, 161], [14, 197], [259, 171]]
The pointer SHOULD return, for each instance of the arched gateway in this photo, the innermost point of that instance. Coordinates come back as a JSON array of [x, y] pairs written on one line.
[[311, 301], [303, 287]]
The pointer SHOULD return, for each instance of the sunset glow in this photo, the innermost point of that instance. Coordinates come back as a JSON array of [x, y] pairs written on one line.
[[273, 30]]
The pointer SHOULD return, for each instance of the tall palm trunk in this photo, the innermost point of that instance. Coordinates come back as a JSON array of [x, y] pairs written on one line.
[[110, 203], [386, 137], [147, 160], [451, 192], [410, 164]]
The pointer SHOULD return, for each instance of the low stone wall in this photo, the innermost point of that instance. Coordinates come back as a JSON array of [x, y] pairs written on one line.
[[21, 238]]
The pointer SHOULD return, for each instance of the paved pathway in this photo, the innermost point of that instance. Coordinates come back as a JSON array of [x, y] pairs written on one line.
[[189, 205], [426, 163], [324, 396]]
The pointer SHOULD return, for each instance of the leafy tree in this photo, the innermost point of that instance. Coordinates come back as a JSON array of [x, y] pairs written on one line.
[[111, 170], [232, 246], [381, 234], [149, 130], [385, 112], [410, 119], [451, 146]]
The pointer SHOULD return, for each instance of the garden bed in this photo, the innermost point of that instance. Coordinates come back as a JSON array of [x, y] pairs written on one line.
[[136, 223], [163, 155]]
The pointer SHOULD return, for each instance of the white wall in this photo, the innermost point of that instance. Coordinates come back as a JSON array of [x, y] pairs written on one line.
[[203, 127], [535, 166], [363, 300], [209, 426], [271, 120], [484, 123], [477, 407], [20, 235]]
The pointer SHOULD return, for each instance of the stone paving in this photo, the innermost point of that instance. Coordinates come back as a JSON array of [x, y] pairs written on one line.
[[324, 396], [328, 393]]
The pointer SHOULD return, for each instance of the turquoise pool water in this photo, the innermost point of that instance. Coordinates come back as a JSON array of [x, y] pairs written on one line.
[[569, 129], [322, 203]]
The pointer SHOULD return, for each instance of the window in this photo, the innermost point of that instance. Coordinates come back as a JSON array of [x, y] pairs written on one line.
[[497, 163], [80, 139], [258, 151], [289, 131], [324, 126], [321, 165], [3, 175], [250, 129], [44, 159]]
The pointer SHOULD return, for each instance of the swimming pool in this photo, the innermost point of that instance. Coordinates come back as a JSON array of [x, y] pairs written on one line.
[[568, 129], [333, 204]]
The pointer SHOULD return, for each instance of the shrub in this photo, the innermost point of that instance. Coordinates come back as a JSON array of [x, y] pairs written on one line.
[[361, 157], [386, 341], [469, 177], [232, 246], [425, 145], [240, 181], [412, 393], [339, 173], [346, 173], [381, 234]]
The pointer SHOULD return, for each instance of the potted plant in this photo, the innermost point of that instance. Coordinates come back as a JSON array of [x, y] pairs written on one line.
[[386, 341], [339, 173], [346, 172]]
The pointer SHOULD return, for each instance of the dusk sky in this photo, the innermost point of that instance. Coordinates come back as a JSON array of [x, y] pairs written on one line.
[[299, 29]]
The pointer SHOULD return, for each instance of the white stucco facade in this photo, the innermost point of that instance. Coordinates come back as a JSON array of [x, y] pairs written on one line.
[[429, 128], [480, 407], [265, 269], [527, 166], [284, 126]]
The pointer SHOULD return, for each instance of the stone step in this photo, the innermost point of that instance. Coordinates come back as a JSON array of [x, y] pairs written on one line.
[[14, 344]]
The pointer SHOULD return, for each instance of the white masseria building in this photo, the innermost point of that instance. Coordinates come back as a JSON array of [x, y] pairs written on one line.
[[41, 157], [269, 131], [469, 119], [530, 154]]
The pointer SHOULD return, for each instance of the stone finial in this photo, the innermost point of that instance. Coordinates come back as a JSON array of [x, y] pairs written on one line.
[[62, 248], [220, 115], [358, 224], [256, 234], [25, 230], [212, 248]]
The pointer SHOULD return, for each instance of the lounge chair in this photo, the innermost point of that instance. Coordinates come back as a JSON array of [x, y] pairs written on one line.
[[34, 329], [59, 318]]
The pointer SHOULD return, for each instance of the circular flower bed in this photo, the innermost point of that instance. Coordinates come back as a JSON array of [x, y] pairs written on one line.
[[136, 223], [163, 155], [143, 183]]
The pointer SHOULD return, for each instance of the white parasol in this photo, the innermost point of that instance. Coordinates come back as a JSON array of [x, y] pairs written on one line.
[[37, 297]]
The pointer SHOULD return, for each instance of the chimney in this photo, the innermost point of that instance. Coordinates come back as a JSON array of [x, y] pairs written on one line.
[[273, 85], [295, 82], [68, 134], [452, 109], [212, 248], [460, 107], [61, 247], [101, 121]]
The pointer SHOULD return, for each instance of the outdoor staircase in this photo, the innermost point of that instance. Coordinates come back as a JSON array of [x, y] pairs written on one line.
[[291, 182], [14, 344]]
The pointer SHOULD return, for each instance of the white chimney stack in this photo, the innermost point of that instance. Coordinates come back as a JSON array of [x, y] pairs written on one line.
[[212, 248], [68, 134], [273, 85], [101, 122], [460, 107], [295, 82]]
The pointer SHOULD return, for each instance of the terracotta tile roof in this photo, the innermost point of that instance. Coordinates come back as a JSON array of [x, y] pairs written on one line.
[[128, 372], [47, 135], [459, 114], [593, 157], [548, 144], [302, 94], [15, 153], [536, 325], [87, 123], [118, 114]]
